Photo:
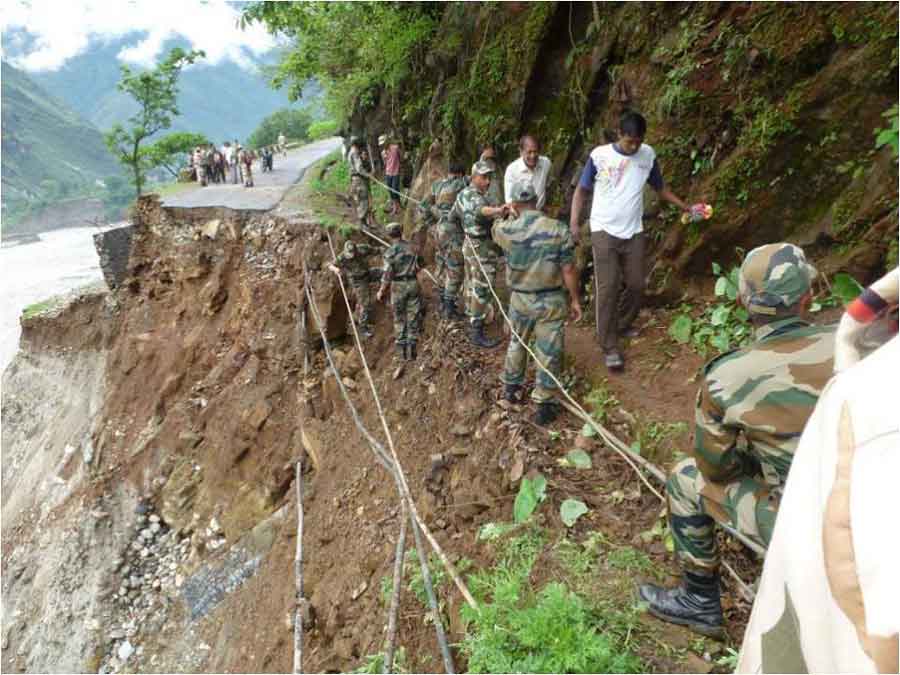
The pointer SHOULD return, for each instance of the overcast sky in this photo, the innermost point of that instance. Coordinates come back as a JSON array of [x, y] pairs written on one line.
[[64, 28]]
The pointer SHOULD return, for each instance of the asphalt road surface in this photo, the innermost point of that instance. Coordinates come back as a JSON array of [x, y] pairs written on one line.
[[268, 187]]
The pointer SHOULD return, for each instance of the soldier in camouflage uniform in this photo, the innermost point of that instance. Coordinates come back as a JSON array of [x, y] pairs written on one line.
[[473, 211], [751, 409], [360, 170], [448, 236], [540, 256], [352, 261], [401, 264]]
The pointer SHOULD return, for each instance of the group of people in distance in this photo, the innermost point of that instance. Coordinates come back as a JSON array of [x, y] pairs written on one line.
[[232, 162], [753, 403]]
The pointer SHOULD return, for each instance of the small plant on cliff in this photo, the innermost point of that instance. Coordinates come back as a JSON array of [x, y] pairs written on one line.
[[890, 135], [723, 325], [155, 92]]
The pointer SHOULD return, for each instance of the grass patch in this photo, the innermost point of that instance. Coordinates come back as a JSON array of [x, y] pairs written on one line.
[[41, 307], [551, 629], [169, 189]]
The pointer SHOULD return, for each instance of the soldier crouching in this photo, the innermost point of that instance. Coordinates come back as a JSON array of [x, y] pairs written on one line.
[[401, 265]]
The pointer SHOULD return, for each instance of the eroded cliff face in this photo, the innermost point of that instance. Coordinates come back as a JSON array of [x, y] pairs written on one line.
[[767, 111]]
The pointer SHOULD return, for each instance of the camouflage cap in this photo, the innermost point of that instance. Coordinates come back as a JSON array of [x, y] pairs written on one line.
[[349, 249], [382, 139], [394, 229], [774, 276], [523, 191], [482, 167]]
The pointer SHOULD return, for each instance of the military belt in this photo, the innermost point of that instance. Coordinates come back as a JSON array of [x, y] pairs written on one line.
[[537, 290]]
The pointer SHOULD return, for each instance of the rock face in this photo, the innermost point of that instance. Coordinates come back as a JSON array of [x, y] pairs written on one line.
[[767, 112], [113, 248]]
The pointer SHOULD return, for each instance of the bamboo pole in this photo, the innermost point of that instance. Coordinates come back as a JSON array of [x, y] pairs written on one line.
[[298, 572]]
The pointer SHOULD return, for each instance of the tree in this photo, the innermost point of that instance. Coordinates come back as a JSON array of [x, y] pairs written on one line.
[[294, 124], [170, 152], [156, 92]]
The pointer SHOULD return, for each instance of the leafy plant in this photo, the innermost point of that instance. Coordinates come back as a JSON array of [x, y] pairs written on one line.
[[293, 123], [323, 129], [375, 663], [890, 135], [532, 491], [170, 152], [576, 458], [155, 92], [600, 400], [571, 510], [551, 630]]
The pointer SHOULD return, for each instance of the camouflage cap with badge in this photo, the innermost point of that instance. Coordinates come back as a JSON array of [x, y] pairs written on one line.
[[523, 191], [482, 168], [774, 277]]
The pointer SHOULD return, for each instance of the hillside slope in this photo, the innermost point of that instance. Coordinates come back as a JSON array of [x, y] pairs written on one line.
[[767, 111], [49, 150]]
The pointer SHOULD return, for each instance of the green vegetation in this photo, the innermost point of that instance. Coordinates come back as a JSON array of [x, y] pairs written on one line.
[[293, 123], [724, 324], [171, 151], [891, 135], [553, 629], [375, 663], [600, 400], [41, 307], [323, 129], [50, 153], [532, 491], [379, 46], [155, 92]]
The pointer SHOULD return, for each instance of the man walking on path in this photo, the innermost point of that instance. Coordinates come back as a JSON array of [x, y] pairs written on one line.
[[531, 166], [617, 173], [751, 409], [540, 257], [391, 156], [474, 211], [401, 265], [282, 144], [245, 158], [233, 164]]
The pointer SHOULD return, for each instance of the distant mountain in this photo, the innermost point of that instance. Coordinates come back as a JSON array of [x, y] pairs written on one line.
[[50, 152], [222, 101]]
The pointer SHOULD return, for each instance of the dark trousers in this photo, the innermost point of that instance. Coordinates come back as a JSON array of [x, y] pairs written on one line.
[[618, 285]]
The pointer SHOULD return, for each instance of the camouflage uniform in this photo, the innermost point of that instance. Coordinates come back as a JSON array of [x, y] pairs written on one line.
[[448, 235], [466, 211], [359, 183], [751, 409], [353, 263], [537, 247], [495, 189], [399, 270]]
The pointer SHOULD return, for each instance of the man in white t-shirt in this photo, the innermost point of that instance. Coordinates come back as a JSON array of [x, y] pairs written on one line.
[[616, 173], [531, 167]]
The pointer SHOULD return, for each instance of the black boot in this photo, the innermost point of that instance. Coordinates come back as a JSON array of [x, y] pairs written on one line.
[[547, 412], [401, 351], [511, 393], [453, 314], [695, 603], [478, 338], [411, 351]]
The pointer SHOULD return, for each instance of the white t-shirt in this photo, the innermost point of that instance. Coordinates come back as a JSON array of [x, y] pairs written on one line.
[[618, 183], [538, 176]]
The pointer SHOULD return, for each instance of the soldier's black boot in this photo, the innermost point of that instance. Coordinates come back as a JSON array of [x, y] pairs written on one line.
[[401, 351], [411, 351], [547, 412], [695, 603], [511, 393], [478, 338], [452, 312]]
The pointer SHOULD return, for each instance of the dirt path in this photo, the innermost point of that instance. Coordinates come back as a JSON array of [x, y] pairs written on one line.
[[268, 187]]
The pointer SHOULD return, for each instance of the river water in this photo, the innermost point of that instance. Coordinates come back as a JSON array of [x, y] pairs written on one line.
[[62, 261]]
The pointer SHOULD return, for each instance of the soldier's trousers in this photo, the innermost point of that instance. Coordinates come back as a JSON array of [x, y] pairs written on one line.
[[359, 190], [407, 308], [478, 293], [363, 297], [536, 317], [746, 504], [450, 260], [246, 175]]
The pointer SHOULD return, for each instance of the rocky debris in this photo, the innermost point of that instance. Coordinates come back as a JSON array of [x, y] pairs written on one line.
[[146, 578]]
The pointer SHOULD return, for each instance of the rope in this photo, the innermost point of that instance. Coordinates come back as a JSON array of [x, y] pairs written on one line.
[[378, 449], [298, 573], [460, 584], [610, 439]]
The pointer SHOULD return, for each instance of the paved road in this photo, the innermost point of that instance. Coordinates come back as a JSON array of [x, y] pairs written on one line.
[[269, 187]]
